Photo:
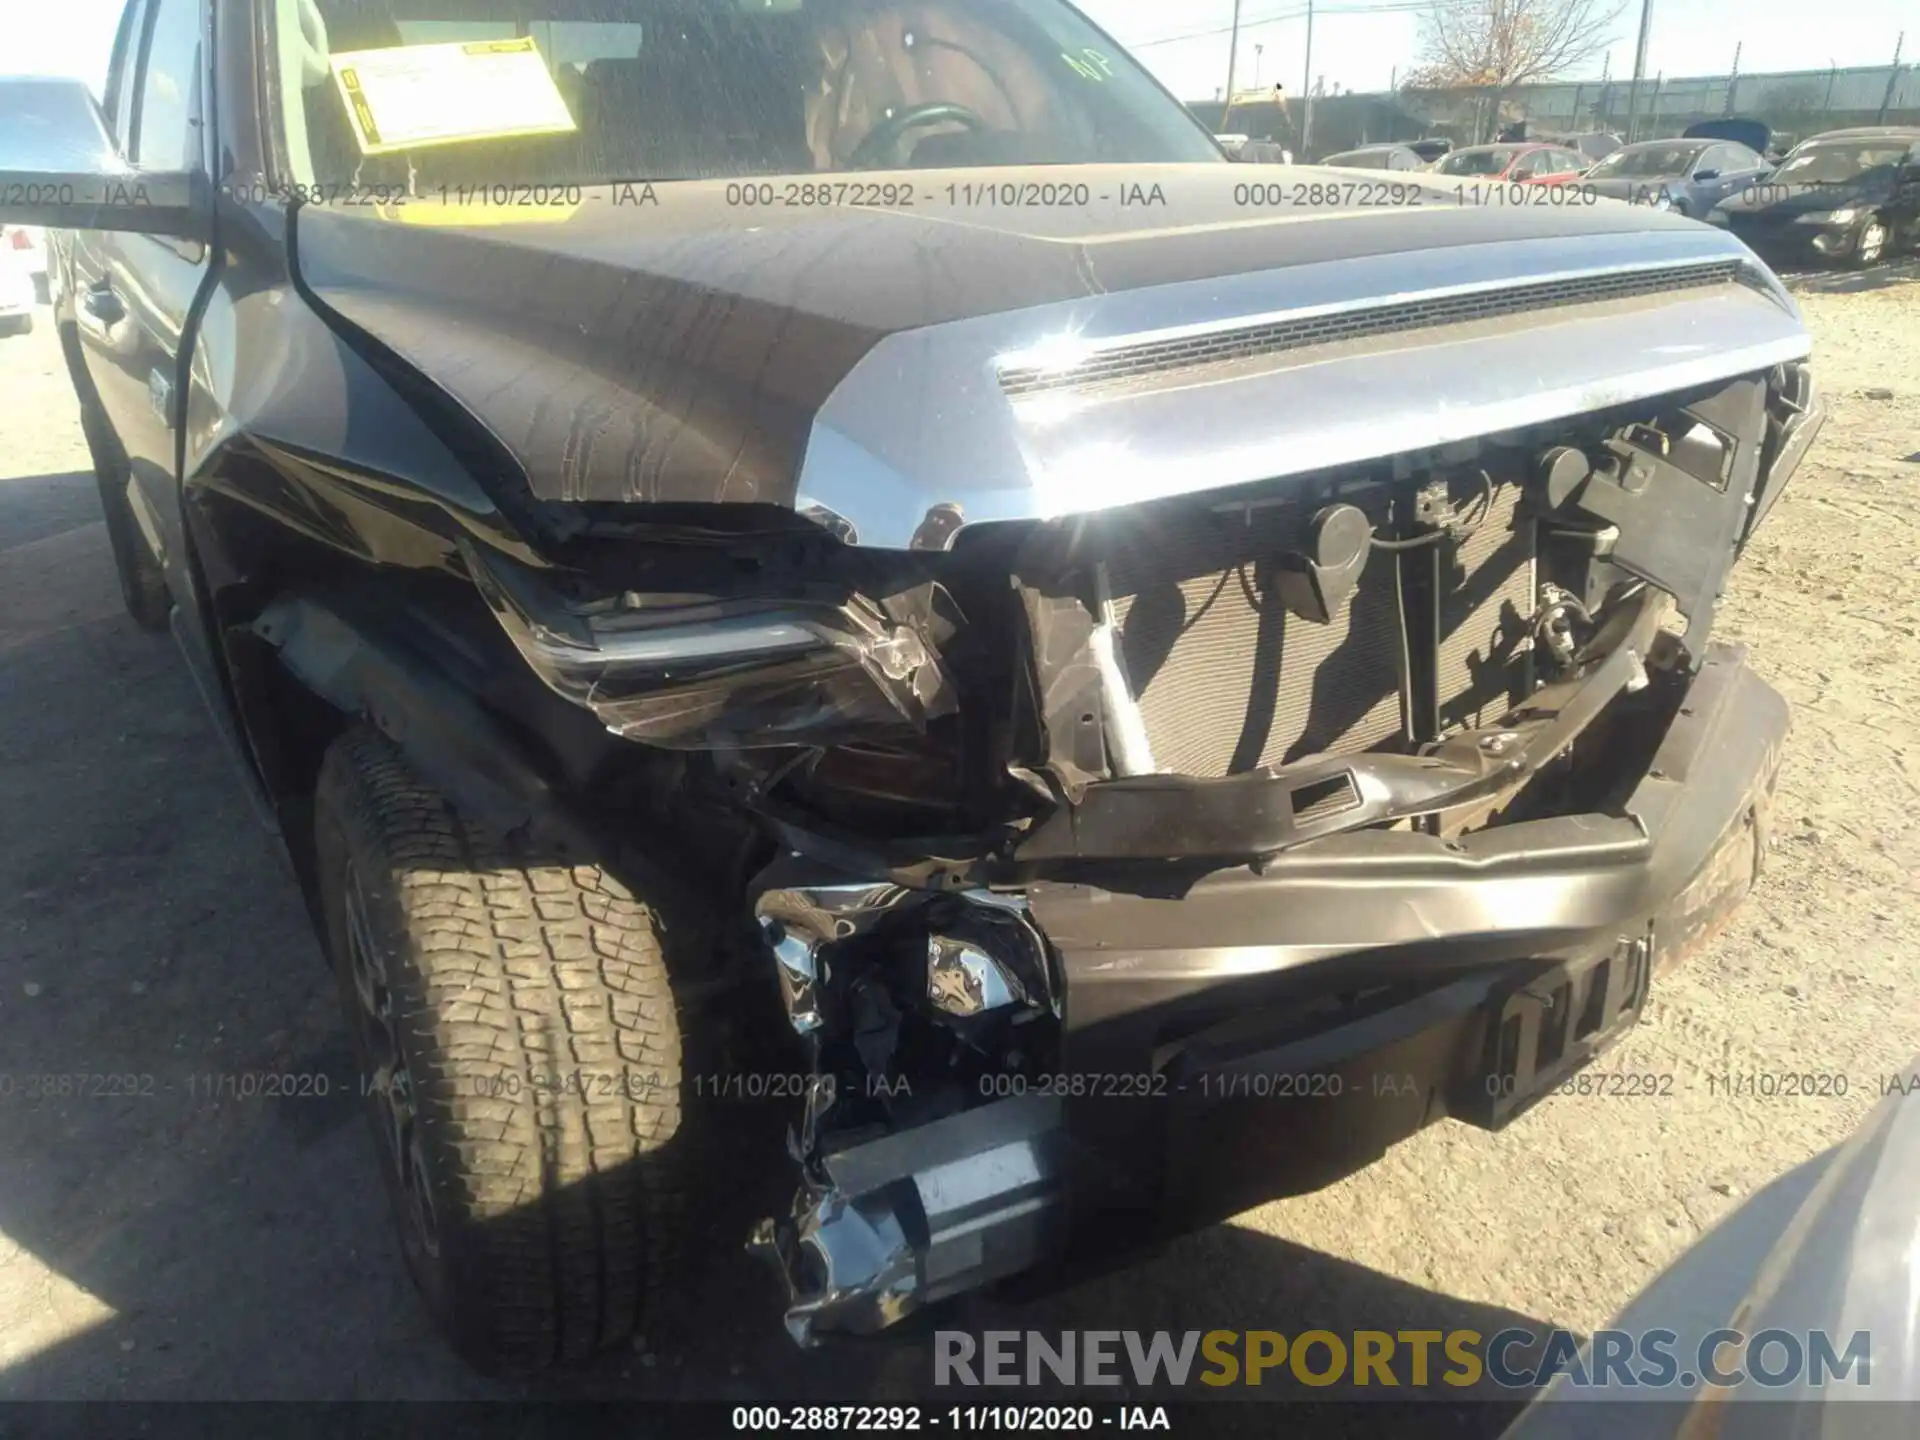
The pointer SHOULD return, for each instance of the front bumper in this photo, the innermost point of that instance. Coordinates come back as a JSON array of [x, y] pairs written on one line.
[[1796, 244], [1269, 1027], [1412, 950]]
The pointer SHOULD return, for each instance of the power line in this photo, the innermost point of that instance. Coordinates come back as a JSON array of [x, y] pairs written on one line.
[[1391, 7], [1246, 24]]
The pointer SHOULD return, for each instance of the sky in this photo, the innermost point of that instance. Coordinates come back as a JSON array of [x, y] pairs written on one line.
[[1357, 50], [1357, 44]]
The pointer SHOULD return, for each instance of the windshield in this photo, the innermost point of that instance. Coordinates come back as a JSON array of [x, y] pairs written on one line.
[[1652, 160], [1837, 162], [1492, 160], [490, 92]]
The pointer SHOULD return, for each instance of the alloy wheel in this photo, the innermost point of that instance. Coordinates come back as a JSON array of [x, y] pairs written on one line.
[[1873, 240]]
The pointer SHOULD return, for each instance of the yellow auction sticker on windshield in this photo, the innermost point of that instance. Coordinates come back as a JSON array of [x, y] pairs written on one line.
[[412, 96]]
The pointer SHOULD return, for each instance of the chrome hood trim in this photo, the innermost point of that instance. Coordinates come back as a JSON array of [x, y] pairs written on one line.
[[1191, 346], [922, 439]]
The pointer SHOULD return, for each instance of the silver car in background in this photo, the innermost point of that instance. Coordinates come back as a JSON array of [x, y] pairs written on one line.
[[1688, 177], [23, 276], [1831, 1248]]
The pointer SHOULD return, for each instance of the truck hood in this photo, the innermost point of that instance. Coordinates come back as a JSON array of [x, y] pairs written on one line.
[[985, 346]]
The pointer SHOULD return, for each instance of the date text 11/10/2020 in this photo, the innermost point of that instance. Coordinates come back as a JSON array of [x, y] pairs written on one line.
[[216, 1086]]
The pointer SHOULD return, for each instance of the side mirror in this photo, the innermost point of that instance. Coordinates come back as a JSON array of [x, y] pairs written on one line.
[[59, 167], [1707, 174]]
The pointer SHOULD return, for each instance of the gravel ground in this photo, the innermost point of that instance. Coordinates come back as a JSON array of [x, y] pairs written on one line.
[[182, 1246]]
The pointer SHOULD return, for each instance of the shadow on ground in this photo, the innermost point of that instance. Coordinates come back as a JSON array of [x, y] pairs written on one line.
[[168, 1232], [1854, 282]]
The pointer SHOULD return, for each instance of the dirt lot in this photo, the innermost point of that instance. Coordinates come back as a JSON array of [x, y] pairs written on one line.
[[177, 1245]]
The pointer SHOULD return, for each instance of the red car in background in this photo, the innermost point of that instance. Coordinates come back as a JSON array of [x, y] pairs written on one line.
[[1532, 161]]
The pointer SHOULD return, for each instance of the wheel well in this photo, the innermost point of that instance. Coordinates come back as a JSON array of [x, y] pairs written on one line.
[[313, 640]]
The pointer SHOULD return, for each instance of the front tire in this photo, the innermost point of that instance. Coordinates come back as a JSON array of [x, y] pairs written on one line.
[[519, 1050], [1871, 247]]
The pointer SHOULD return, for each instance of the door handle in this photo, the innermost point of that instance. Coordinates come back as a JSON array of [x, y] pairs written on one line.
[[102, 304]]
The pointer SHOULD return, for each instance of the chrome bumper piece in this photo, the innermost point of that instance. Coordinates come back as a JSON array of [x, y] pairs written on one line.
[[886, 1227]]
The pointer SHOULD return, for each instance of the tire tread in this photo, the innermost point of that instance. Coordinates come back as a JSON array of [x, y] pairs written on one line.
[[559, 1196]]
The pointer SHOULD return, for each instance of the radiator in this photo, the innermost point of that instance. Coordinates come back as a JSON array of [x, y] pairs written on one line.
[[1228, 680]]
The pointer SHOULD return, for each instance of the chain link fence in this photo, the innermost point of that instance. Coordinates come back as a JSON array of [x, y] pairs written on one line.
[[1796, 103]]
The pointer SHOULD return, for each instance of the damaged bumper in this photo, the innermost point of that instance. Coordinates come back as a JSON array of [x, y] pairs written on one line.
[[1272, 1026], [909, 1219], [1263, 812]]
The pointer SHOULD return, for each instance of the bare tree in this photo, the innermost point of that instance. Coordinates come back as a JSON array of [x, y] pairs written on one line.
[[1496, 46]]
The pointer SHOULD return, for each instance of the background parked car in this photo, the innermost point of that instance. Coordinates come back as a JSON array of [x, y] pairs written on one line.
[[1688, 177], [16, 290], [1822, 1251], [1545, 164], [1757, 135], [1594, 144], [1431, 148], [1254, 152], [27, 245], [1377, 157], [1847, 195], [1265, 152]]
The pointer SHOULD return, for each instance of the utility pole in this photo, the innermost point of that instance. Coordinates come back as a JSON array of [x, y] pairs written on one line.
[[1233, 58], [1893, 77], [1733, 78], [1259, 52], [1639, 69], [1306, 83]]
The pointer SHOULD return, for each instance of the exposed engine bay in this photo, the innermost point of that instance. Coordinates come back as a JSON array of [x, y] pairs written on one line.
[[1435, 646], [960, 704]]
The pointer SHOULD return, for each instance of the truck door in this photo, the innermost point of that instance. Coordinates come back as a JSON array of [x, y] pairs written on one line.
[[134, 294]]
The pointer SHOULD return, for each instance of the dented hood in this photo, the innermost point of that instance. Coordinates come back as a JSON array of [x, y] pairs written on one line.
[[933, 359]]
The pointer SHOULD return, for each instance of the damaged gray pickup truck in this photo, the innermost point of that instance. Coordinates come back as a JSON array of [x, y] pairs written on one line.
[[1157, 677]]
